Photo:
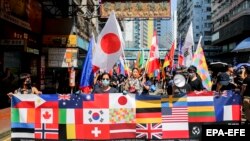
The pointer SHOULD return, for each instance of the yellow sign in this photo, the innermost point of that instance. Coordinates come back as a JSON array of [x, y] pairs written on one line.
[[136, 9], [60, 40]]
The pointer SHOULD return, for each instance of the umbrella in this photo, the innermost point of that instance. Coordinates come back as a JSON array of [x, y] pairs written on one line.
[[242, 64], [243, 46], [218, 66]]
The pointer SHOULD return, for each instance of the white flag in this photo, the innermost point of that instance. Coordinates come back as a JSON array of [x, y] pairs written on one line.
[[187, 47], [109, 46]]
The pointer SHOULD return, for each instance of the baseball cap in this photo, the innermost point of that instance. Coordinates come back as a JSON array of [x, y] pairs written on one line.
[[224, 79], [229, 66], [192, 69]]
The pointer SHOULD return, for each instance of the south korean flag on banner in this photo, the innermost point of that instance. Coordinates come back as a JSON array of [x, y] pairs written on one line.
[[96, 116]]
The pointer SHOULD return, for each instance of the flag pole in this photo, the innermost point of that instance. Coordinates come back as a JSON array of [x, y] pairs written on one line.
[[175, 32]]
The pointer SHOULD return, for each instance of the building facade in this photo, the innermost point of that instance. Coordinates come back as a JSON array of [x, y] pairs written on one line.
[[230, 25], [199, 13]]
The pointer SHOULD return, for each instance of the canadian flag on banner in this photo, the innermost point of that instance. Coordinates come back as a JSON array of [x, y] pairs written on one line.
[[109, 45]]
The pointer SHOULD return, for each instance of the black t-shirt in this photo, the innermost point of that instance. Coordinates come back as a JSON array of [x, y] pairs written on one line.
[[196, 85], [247, 82]]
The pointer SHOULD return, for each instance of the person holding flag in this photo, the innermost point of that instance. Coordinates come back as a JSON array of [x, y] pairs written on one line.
[[87, 77]]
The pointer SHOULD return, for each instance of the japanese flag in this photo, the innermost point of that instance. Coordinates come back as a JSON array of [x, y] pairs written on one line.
[[109, 45]]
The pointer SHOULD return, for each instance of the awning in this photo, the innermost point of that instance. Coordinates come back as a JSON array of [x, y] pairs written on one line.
[[243, 46]]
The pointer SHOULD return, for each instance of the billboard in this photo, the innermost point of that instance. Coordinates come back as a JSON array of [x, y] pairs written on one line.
[[136, 9], [62, 57], [24, 13]]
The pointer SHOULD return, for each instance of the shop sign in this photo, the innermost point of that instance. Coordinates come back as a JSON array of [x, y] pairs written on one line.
[[32, 50], [12, 42], [61, 40], [62, 57], [15, 20]]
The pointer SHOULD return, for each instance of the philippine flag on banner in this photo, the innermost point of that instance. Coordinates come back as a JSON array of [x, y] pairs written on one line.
[[109, 45]]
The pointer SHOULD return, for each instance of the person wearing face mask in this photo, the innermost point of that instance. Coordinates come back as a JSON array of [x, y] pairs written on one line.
[[105, 87], [25, 86], [194, 80]]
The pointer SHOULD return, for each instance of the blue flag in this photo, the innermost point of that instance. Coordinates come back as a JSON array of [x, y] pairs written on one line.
[[87, 77]]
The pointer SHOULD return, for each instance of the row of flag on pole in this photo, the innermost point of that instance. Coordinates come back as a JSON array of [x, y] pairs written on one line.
[[109, 50], [118, 116]]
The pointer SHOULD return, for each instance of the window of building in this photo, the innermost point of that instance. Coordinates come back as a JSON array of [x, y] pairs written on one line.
[[207, 42], [208, 9], [208, 17], [197, 27]]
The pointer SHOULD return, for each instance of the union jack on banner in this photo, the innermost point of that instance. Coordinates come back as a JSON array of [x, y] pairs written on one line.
[[63, 96], [149, 131]]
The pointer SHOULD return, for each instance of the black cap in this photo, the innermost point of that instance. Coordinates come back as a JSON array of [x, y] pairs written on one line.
[[192, 69], [224, 79], [229, 66]]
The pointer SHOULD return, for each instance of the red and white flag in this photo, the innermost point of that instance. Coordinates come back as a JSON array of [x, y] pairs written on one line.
[[175, 122], [122, 131], [96, 131], [154, 64], [109, 45], [46, 131], [121, 101]]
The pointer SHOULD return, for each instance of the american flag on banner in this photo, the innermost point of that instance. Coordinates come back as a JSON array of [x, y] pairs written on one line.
[[175, 117], [175, 122], [149, 131]]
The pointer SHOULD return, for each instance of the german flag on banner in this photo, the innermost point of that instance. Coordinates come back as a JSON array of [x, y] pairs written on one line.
[[148, 109], [201, 107]]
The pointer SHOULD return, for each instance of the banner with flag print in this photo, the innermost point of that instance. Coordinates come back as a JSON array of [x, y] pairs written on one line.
[[118, 116], [148, 109], [175, 117], [201, 106], [228, 106]]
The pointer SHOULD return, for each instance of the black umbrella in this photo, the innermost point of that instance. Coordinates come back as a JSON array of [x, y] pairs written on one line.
[[218, 66]]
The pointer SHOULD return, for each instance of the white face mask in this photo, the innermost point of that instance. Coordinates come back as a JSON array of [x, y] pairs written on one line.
[[105, 82]]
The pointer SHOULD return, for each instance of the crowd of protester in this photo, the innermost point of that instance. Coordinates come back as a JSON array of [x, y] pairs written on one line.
[[140, 83]]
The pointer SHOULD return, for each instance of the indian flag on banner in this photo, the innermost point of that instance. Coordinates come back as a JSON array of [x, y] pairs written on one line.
[[199, 61], [201, 107]]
